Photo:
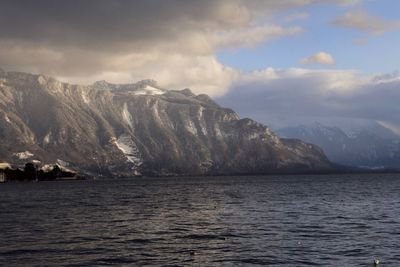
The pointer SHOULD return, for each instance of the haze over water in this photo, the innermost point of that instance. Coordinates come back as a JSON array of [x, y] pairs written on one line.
[[329, 220]]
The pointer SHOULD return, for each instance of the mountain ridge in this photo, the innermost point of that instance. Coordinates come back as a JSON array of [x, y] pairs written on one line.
[[138, 129], [368, 146]]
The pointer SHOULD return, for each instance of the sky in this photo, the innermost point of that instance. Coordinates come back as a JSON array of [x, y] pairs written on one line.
[[280, 62]]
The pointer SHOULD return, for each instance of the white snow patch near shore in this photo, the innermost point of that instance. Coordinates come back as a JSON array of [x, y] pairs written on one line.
[[24, 155], [7, 119], [47, 167], [149, 90], [37, 162], [62, 163]]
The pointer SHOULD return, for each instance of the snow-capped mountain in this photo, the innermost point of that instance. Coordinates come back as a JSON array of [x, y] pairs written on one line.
[[371, 145], [141, 128]]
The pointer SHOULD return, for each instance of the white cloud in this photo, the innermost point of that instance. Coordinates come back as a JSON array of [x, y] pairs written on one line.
[[322, 58], [203, 74], [362, 21]]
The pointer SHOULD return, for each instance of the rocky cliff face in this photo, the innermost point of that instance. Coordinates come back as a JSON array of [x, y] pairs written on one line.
[[132, 129]]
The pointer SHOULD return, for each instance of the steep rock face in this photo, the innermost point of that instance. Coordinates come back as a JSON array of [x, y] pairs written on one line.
[[130, 129]]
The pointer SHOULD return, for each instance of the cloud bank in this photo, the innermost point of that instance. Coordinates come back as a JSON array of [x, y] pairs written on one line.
[[291, 96], [172, 41], [361, 20]]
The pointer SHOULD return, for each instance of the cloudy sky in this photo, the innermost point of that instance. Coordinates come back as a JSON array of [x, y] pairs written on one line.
[[276, 61]]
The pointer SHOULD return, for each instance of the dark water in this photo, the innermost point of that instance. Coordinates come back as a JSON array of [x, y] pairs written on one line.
[[220, 221]]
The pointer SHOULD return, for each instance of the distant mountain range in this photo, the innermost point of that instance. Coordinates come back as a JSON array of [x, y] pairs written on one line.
[[138, 129], [371, 145]]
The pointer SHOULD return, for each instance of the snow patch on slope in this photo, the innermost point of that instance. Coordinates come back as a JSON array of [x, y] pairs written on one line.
[[84, 97], [7, 119], [46, 139], [148, 90], [24, 155], [218, 132], [191, 127], [129, 148], [2, 81], [201, 120], [126, 115]]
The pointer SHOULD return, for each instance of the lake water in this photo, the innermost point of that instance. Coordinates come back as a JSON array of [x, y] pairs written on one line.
[[321, 220]]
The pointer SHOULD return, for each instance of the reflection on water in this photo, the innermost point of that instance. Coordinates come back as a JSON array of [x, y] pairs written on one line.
[[286, 221]]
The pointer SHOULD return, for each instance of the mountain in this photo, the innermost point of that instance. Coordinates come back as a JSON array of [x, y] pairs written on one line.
[[372, 145], [137, 129]]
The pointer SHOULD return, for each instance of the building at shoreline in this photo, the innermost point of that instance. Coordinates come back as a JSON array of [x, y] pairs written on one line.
[[2, 176], [3, 167]]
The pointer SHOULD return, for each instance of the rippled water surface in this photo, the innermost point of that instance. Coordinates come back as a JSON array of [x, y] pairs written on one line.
[[345, 220]]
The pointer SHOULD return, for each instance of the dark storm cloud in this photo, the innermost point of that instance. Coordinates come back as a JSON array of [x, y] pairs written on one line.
[[106, 24]]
